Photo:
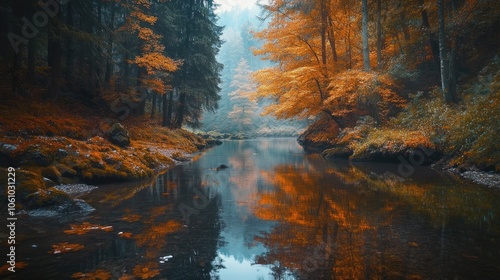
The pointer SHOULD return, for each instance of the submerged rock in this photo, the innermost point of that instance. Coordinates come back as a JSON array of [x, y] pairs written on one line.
[[75, 190], [76, 206], [221, 167]]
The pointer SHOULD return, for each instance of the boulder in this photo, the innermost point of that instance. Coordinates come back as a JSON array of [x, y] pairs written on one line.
[[320, 135], [6, 154], [118, 135]]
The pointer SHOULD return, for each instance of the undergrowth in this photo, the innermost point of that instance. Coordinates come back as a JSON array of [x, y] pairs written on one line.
[[466, 132]]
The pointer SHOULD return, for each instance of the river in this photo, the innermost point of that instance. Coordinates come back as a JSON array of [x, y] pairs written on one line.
[[274, 213]]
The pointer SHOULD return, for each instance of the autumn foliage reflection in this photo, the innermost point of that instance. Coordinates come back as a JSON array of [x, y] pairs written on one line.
[[343, 223]]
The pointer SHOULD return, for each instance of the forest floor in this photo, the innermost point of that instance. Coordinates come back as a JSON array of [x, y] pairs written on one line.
[[59, 143]]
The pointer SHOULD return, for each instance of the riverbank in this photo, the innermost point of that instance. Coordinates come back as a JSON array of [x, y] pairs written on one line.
[[53, 144]]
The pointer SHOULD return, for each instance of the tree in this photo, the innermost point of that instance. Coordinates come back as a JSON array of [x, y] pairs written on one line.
[[442, 54], [366, 50], [197, 81], [151, 61], [243, 106]]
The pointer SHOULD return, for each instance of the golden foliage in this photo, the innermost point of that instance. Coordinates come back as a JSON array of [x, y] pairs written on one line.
[[157, 233], [99, 274], [65, 247], [125, 234], [157, 65], [363, 91], [86, 227], [146, 271]]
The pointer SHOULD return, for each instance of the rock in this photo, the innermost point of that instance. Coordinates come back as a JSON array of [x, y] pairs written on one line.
[[61, 153], [222, 167], [180, 156], [239, 136], [76, 206], [6, 154], [212, 142], [47, 198], [35, 155], [414, 156], [75, 190], [118, 135], [339, 151], [66, 171], [52, 173], [320, 135]]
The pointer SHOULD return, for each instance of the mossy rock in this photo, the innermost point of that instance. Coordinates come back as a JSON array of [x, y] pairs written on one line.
[[31, 190], [118, 135], [46, 198], [340, 151], [35, 155], [7, 157], [322, 134], [28, 182], [65, 170], [382, 153], [52, 173]]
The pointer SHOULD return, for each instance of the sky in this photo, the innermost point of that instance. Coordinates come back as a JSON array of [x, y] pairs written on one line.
[[227, 5]]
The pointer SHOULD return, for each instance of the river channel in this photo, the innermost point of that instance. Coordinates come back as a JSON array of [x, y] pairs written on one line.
[[275, 212]]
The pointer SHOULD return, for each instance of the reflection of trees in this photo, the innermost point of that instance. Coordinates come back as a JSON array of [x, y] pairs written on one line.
[[322, 229], [194, 246], [347, 224], [157, 230]]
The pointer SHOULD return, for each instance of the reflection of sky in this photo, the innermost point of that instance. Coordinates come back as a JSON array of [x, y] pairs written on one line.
[[238, 187], [242, 269]]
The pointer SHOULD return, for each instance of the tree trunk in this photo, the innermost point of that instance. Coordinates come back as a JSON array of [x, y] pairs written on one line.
[[324, 24], [432, 39], [30, 73], [379, 34], [153, 105], [442, 54], [181, 110], [141, 105], [364, 33], [18, 10], [166, 117], [168, 108], [452, 77], [331, 39], [109, 51], [56, 61], [70, 55]]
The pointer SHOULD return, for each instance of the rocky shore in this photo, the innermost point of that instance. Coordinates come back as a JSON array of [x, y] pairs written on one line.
[[53, 172], [403, 147]]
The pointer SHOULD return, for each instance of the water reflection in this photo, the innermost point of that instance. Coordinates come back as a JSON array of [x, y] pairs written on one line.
[[347, 222], [275, 213]]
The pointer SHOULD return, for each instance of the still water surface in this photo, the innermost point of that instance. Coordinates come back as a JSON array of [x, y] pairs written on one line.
[[275, 213]]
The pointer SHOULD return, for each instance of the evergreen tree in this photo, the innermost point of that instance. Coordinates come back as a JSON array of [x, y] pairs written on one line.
[[197, 81], [243, 107]]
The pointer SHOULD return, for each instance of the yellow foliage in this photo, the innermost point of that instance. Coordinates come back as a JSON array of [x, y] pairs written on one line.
[[86, 227], [146, 271], [65, 247], [96, 275]]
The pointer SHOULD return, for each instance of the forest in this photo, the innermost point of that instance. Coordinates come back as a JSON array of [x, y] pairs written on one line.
[[370, 80], [383, 78], [298, 139]]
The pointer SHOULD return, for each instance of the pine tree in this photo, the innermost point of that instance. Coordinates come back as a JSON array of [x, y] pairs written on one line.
[[244, 108]]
